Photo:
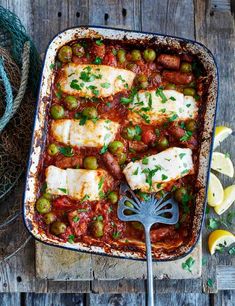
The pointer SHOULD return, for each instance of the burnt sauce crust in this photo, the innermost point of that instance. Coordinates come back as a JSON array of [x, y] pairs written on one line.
[[164, 72]]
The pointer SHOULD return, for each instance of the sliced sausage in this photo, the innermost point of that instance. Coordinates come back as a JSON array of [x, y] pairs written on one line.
[[169, 61], [112, 165], [64, 162], [138, 146], [178, 78]]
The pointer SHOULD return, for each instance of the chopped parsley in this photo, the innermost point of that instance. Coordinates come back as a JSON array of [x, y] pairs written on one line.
[[210, 282], [150, 174], [116, 235], [64, 190], [159, 92], [104, 149], [164, 177], [135, 172], [83, 120], [99, 218], [101, 182], [172, 98], [101, 195], [99, 42], [71, 238], [145, 160], [105, 85], [74, 84], [66, 151], [181, 155], [173, 118], [76, 219], [227, 155], [52, 66], [97, 60], [85, 198], [187, 265], [184, 171], [108, 104], [187, 136], [162, 110]]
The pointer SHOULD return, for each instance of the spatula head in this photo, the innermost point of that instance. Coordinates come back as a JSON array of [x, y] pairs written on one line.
[[153, 210]]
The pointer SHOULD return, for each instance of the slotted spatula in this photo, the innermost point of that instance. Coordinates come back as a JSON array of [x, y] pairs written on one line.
[[149, 212]]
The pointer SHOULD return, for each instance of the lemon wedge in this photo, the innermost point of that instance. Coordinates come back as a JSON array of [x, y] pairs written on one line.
[[229, 198], [222, 163], [220, 238], [215, 191], [221, 133]]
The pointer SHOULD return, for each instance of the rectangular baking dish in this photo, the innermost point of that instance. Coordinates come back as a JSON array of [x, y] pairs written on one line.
[[40, 131]]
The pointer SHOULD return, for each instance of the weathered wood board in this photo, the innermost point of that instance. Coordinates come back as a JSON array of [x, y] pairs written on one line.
[[58, 264]]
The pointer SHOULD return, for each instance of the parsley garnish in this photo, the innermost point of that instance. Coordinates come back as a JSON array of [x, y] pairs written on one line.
[[173, 117], [136, 171], [184, 171], [159, 92], [105, 85], [124, 100], [172, 98], [104, 149], [101, 182], [116, 235], [97, 60], [64, 190], [187, 265], [150, 174], [76, 219], [164, 177], [74, 84], [145, 160], [71, 238], [210, 282], [187, 136], [99, 42], [181, 155], [85, 198], [66, 151]]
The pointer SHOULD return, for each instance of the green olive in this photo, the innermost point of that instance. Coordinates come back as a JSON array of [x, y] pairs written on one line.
[[162, 143], [128, 211], [149, 55], [65, 54], [97, 229], [52, 149], [129, 132], [137, 225], [116, 146], [191, 125], [90, 112], [135, 55], [189, 91], [143, 81], [185, 67], [57, 111], [49, 218], [121, 55], [47, 196], [170, 86], [113, 197], [58, 228], [121, 157], [78, 50], [90, 162], [43, 205], [180, 193], [71, 102]]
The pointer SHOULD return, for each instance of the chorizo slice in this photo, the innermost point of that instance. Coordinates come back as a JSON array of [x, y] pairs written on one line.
[[112, 165], [178, 78], [169, 61], [138, 146]]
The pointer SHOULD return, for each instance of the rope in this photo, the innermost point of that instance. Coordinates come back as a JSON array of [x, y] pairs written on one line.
[[11, 107]]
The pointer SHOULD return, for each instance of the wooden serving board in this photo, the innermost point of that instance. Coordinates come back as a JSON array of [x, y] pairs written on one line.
[[59, 264]]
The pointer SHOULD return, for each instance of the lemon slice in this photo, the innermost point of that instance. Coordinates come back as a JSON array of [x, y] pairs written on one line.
[[221, 133], [222, 163], [220, 238], [215, 191], [229, 198]]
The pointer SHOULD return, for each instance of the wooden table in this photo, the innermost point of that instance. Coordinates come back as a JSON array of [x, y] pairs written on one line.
[[210, 22]]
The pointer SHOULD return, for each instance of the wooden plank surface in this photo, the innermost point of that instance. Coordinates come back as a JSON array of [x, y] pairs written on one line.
[[212, 26]]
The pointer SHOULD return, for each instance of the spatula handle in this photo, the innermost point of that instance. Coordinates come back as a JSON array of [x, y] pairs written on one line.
[[149, 267]]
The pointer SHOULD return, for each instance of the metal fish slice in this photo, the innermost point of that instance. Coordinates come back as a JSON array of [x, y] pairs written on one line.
[[149, 212]]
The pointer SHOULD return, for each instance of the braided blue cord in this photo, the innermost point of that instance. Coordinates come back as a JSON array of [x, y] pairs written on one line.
[[9, 97]]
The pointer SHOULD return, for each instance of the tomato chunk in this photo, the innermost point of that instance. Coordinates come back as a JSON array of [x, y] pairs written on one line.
[[148, 136]]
